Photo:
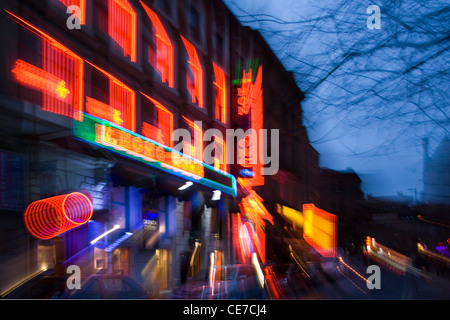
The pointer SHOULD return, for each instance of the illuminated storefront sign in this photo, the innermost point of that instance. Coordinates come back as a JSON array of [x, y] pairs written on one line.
[[319, 230], [112, 137], [249, 104], [35, 77]]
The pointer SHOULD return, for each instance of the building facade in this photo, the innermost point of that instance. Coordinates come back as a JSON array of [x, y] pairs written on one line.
[[90, 98], [136, 106]]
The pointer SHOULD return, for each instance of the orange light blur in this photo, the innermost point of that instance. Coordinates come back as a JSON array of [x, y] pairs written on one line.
[[81, 4], [58, 63], [253, 208], [319, 230], [220, 162], [122, 103], [221, 96], [392, 259], [122, 26], [196, 150], [47, 218], [138, 147], [164, 48], [195, 86], [250, 102], [34, 77], [165, 125]]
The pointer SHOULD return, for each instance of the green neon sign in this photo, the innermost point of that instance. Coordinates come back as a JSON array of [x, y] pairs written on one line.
[[112, 137]]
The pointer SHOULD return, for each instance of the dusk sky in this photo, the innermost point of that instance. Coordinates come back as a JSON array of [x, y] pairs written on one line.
[[387, 157]]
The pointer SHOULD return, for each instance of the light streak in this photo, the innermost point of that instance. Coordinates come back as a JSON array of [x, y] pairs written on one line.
[[105, 233], [185, 186]]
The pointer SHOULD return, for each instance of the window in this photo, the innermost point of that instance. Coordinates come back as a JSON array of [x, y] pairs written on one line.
[[218, 48], [194, 74], [110, 99], [47, 67], [194, 148], [101, 16], [160, 56], [220, 94], [122, 26], [157, 121], [194, 27], [166, 7], [81, 4], [220, 156]]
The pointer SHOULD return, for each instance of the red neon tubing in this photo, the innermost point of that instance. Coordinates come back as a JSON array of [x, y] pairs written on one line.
[[50, 217]]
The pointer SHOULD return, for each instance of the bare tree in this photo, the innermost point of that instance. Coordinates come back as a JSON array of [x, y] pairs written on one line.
[[394, 79]]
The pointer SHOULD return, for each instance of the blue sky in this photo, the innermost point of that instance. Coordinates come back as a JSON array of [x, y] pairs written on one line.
[[397, 168]]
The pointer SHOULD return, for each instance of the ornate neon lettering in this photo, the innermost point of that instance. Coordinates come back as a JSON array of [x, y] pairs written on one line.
[[34, 77], [138, 147]]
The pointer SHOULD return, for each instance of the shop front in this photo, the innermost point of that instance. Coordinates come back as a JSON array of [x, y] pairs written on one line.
[[166, 216]]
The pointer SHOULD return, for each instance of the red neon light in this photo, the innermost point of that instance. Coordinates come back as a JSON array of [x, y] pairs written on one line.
[[69, 67], [195, 150], [250, 102], [220, 157], [194, 85], [50, 217], [164, 48], [221, 97], [122, 105], [60, 66], [163, 132], [253, 208], [81, 4], [122, 26], [34, 77]]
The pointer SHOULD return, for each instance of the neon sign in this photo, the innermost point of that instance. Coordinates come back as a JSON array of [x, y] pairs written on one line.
[[164, 48], [122, 26], [254, 210], [36, 78], [319, 230], [250, 115], [112, 137], [47, 218], [194, 85]]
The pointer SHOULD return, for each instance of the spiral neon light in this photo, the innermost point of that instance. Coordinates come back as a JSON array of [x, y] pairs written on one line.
[[53, 216]]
